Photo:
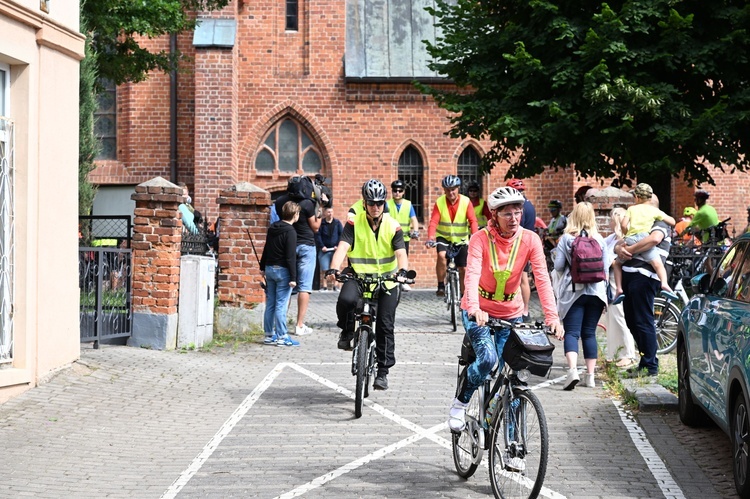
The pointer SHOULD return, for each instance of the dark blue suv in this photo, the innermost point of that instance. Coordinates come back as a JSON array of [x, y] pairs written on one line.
[[713, 355]]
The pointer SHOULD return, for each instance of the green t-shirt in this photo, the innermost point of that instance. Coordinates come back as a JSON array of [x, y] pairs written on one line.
[[705, 217]]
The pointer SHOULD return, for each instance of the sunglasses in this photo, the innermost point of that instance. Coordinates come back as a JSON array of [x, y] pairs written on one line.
[[375, 203], [398, 190]]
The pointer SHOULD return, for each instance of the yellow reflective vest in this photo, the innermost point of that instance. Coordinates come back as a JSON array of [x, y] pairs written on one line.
[[401, 215], [479, 212], [457, 230], [369, 255]]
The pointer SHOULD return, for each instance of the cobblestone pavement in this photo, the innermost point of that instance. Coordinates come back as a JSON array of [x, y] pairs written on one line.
[[260, 421]]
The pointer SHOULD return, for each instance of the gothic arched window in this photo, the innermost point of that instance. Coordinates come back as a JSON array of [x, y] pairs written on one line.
[[411, 172], [288, 149]]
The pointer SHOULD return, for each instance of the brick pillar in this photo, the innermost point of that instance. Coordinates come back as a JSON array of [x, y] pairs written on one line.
[[157, 237], [244, 212], [604, 200]]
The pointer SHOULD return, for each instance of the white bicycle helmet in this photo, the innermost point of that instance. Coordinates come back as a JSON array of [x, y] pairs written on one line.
[[374, 190], [451, 182], [504, 196]]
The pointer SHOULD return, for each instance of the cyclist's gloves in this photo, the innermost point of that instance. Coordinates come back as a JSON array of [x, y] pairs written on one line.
[[332, 272], [401, 275], [414, 234]]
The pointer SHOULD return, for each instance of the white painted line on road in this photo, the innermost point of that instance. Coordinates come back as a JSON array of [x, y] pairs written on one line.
[[658, 469], [226, 428], [321, 480]]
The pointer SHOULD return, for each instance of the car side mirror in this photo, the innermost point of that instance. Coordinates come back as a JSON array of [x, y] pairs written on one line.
[[699, 283], [719, 286]]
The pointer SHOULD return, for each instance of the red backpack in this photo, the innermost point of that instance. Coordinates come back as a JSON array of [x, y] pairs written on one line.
[[586, 260]]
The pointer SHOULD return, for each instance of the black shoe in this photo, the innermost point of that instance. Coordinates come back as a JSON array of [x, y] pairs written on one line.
[[381, 382], [345, 341], [440, 290]]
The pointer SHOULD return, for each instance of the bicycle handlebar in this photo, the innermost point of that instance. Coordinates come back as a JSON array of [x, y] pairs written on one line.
[[493, 322], [374, 279]]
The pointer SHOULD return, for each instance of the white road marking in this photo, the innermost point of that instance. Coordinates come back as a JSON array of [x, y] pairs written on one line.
[[656, 466], [419, 432]]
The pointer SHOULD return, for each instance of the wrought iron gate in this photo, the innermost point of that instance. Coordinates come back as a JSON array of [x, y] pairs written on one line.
[[105, 278]]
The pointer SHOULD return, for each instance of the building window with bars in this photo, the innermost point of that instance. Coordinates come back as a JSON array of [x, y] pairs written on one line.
[[468, 168], [288, 149], [105, 121], [411, 173], [7, 209], [292, 15]]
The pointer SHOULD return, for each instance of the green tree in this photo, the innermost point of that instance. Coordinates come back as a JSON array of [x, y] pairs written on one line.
[[116, 26], [611, 89], [87, 143]]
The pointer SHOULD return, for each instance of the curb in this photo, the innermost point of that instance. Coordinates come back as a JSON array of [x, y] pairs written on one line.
[[651, 396]]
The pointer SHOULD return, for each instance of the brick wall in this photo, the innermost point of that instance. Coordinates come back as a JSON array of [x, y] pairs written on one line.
[[230, 98], [244, 211], [157, 229]]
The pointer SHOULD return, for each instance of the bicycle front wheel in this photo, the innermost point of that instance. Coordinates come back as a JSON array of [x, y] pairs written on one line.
[[666, 316], [360, 356], [519, 448], [467, 445], [454, 302]]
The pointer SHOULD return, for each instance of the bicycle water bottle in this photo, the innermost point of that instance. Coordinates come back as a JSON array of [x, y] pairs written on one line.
[[491, 410]]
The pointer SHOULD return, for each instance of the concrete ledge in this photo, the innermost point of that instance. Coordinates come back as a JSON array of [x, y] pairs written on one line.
[[651, 396]]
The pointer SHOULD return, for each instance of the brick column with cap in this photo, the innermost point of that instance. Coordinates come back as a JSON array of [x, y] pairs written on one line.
[[603, 200], [244, 213], [157, 237]]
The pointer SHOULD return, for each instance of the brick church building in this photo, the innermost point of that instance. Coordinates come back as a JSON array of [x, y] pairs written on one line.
[[275, 88]]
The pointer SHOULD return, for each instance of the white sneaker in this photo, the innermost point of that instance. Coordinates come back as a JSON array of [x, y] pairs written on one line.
[[302, 330], [515, 464], [589, 381], [457, 416], [572, 380], [405, 287]]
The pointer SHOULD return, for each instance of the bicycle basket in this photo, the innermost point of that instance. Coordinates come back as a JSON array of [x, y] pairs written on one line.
[[529, 349]]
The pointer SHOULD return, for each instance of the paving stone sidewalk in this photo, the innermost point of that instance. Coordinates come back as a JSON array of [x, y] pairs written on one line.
[[127, 422]]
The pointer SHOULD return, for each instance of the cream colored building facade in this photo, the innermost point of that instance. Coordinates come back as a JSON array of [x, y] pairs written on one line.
[[40, 52]]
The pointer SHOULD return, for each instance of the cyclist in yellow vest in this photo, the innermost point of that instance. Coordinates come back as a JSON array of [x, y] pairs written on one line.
[[481, 210], [374, 243], [497, 257], [359, 207], [452, 221], [402, 210]]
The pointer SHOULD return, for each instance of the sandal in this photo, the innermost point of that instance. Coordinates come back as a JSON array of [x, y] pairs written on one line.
[[625, 363]]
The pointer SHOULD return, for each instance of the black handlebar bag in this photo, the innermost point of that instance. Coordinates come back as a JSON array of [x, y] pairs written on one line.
[[529, 349]]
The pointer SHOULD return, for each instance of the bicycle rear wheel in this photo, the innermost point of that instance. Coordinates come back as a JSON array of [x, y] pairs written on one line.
[[518, 467], [467, 445], [454, 304], [666, 316], [360, 355]]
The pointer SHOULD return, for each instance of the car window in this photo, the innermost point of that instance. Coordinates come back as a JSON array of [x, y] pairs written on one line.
[[742, 290], [727, 270]]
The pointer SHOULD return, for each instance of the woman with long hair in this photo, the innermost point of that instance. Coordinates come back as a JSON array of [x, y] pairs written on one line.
[[580, 306]]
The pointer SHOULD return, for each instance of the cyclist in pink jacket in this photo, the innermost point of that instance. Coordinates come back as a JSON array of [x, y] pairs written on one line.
[[496, 259]]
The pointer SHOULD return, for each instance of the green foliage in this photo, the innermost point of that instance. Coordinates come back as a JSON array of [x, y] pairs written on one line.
[[611, 89], [116, 26], [87, 144]]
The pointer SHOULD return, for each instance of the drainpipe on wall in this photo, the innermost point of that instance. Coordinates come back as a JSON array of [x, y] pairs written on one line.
[[173, 113]]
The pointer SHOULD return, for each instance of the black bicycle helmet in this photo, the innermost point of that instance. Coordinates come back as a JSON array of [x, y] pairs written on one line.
[[472, 185], [701, 194], [374, 190], [397, 184], [556, 204], [451, 182]]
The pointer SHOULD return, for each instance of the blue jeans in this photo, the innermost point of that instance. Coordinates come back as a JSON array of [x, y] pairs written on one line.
[[306, 258], [487, 350], [638, 308], [580, 323], [278, 292], [325, 260]]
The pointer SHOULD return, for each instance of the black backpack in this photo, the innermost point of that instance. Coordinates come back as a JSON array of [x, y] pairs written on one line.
[[300, 187]]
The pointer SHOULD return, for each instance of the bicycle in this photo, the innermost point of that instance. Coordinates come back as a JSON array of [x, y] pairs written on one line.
[[452, 287], [365, 317], [505, 417]]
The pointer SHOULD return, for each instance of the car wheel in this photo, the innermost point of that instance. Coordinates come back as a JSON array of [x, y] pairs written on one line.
[[691, 414], [740, 435]]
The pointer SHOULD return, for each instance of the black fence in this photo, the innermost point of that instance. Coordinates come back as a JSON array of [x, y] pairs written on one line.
[[105, 278]]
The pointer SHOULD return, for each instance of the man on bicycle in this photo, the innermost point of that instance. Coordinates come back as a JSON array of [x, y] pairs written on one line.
[[374, 243], [453, 220], [496, 260]]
